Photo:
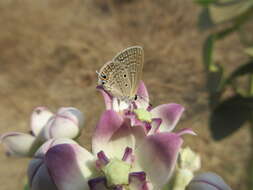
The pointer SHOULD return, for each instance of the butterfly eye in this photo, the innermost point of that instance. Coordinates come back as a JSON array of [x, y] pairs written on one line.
[[103, 76], [124, 75]]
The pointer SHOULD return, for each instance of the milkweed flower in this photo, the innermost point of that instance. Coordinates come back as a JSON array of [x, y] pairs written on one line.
[[67, 123], [188, 163], [162, 118], [207, 181], [122, 157]]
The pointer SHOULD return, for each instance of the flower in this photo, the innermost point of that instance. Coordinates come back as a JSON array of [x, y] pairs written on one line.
[[67, 122], [123, 157], [189, 162], [162, 118], [207, 181]]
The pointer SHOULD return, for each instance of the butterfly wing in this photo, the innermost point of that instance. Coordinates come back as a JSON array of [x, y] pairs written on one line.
[[132, 58], [114, 78]]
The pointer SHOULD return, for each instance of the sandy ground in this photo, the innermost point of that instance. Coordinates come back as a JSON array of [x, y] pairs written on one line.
[[50, 50]]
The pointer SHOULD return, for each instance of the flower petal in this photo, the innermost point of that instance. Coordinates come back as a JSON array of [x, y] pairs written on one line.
[[38, 170], [39, 178], [157, 155], [169, 113], [155, 125], [74, 114], [142, 96], [122, 138], [65, 124], [182, 178], [112, 135], [185, 131], [208, 181], [140, 135], [137, 181], [98, 183], [189, 160], [39, 118], [40, 153], [107, 97], [19, 144], [70, 165]]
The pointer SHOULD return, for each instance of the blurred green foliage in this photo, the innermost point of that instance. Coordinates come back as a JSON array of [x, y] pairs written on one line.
[[226, 17], [230, 99], [26, 187]]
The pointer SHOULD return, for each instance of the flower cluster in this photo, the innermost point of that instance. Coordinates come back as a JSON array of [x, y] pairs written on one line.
[[66, 123], [133, 148]]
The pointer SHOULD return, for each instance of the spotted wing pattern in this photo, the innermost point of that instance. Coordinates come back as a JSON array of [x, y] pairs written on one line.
[[116, 79], [121, 76], [132, 58]]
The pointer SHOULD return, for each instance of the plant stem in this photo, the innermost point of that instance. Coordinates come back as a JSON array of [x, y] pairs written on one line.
[[251, 132], [251, 85]]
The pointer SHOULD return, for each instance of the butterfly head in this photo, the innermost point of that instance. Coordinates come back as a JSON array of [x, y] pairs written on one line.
[[102, 78]]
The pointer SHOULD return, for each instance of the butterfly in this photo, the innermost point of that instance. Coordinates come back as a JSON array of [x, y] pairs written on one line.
[[120, 76]]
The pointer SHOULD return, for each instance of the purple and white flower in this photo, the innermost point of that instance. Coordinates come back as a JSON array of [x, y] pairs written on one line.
[[208, 181], [162, 118], [188, 163], [67, 123], [123, 157]]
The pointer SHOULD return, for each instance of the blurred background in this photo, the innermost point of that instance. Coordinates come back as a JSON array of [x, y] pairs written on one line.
[[50, 50]]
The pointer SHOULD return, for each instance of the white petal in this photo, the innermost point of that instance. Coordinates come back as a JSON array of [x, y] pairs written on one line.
[[112, 135], [73, 113], [39, 118], [19, 144], [170, 115], [65, 124]]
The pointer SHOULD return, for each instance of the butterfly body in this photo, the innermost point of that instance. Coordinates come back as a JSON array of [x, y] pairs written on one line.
[[121, 76]]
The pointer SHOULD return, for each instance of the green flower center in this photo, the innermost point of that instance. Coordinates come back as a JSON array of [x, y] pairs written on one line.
[[143, 115], [116, 172]]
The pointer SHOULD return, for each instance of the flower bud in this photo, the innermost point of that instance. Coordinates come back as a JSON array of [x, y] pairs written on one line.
[[207, 181]]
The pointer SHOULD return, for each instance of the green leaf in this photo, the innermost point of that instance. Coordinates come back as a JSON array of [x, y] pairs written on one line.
[[209, 45], [227, 31], [246, 29], [214, 78], [26, 187], [240, 71], [228, 10], [249, 51], [204, 2], [214, 72], [208, 51], [204, 20], [230, 115], [214, 81]]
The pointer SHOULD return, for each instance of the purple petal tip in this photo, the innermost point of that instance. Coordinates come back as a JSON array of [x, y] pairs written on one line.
[[186, 131], [141, 176], [102, 158], [93, 183], [127, 154]]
